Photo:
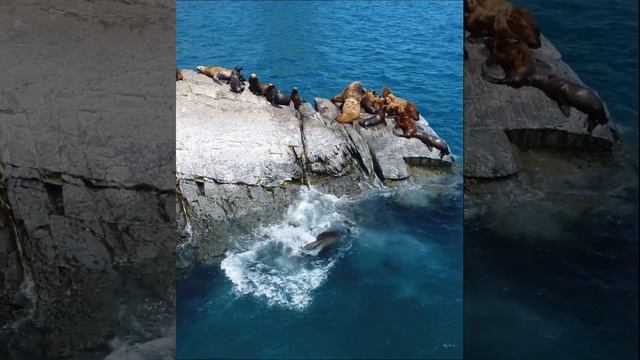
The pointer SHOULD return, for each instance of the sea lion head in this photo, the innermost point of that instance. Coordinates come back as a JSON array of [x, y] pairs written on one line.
[[238, 68], [200, 68], [386, 92], [294, 90]]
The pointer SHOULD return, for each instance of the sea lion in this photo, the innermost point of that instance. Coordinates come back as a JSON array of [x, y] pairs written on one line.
[[255, 86], [179, 75], [406, 124], [568, 94], [216, 73], [353, 90], [350, 111], [374, 120], [433, 142], [398, 106], [500, 18], [275, 97], [295, 98], [235, 82], [518, 64], [323, 240], [371, 102]]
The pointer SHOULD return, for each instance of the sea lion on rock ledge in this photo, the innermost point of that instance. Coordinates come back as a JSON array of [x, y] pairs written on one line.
[[295, 98], [255, 86], [353, 90], [179, 75], [235, 81], [518, 64], [216, 73], [350, 111], [568, 94], [500, 18], [374, 120], [398, 106], [275, 97], [433, 142]]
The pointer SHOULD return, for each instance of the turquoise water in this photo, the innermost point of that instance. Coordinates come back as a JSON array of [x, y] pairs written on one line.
[[392, 288]]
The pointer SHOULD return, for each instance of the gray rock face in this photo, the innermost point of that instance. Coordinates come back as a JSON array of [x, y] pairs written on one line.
[[86, 188], [526, 115], [242, 161]]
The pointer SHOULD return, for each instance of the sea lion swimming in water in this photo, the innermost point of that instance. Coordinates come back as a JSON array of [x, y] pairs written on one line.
[[568, 94], [275, 97], [255, 86], [295, 98], [235, 81], [374, 120]]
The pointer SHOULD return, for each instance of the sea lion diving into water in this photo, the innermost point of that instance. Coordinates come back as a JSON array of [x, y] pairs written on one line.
[[325, 239]]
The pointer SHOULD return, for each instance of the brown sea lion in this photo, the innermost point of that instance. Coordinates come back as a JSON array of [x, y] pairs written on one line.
[[374, 120], [216, 73], [275, 97], [406, 124], [179, 75], [371, 102], [433, 142], [353, 90], [295, 98], [397, 106], [323, 240], [500, 18], [518, 64], [255, 86], [568, 94], [350, 111]]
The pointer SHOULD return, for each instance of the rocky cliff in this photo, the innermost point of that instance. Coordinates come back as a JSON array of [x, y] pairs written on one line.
[[87, 237], [241, 161]]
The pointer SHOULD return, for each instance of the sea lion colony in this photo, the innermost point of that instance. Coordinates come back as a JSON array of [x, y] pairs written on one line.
[[509, 32], [353, 102]]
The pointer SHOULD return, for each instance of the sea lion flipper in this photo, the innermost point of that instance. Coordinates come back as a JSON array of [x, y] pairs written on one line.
[[216, 80], [566, 109]]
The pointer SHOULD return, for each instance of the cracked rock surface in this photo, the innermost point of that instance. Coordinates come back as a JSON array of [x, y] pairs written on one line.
[[87, 239], [241, 161]]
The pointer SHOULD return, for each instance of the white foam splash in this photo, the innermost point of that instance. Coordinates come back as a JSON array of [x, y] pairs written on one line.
[[274, 268]]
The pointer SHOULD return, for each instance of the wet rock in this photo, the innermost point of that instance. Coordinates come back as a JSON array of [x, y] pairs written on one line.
[[526, 115]]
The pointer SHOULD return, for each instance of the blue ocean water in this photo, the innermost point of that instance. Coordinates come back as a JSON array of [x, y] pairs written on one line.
[[392, 288]]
